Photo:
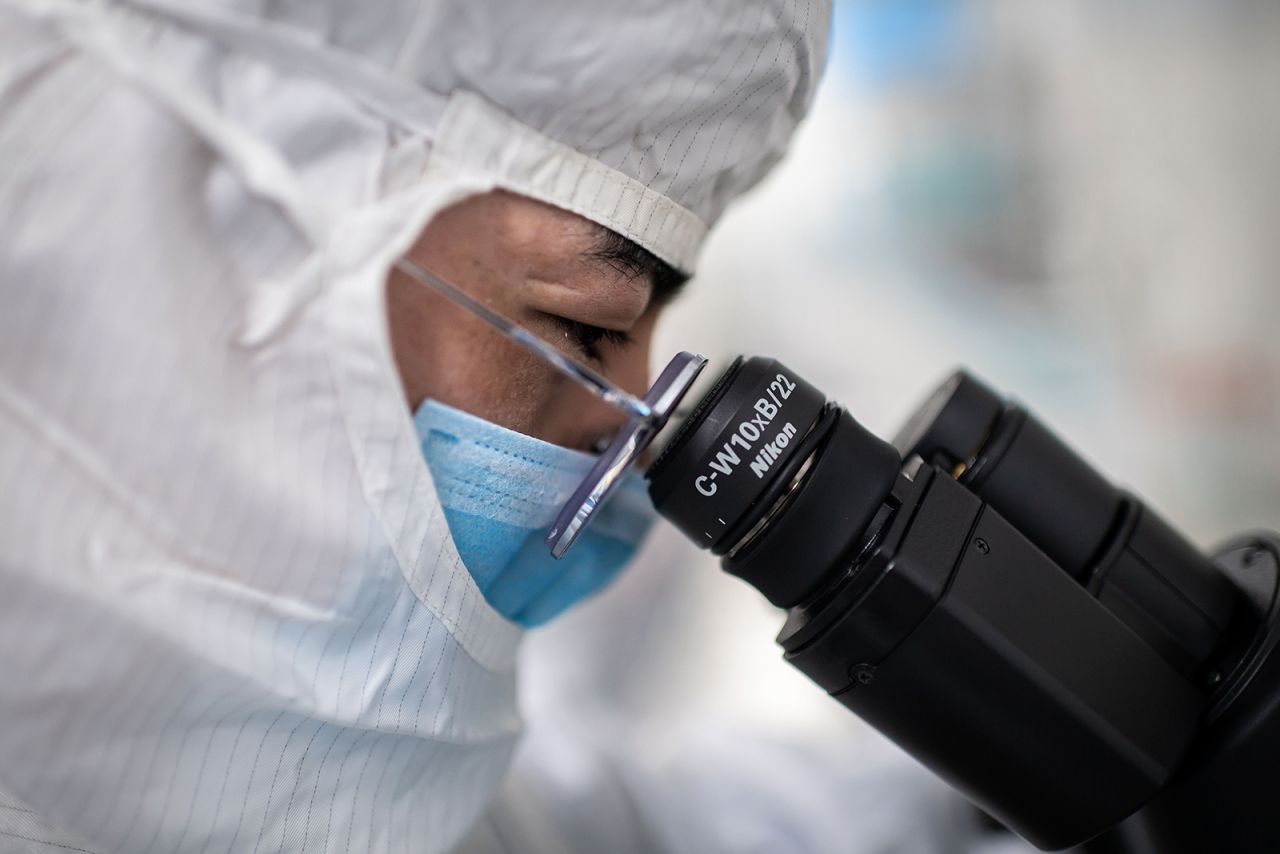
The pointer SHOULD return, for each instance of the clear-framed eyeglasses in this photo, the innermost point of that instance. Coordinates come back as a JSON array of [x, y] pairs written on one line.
[[646, 416]]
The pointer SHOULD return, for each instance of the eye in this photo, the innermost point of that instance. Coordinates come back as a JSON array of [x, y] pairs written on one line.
[[587, 338]]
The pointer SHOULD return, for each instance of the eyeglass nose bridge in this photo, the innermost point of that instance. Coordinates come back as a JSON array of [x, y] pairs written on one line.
[[645, 417], [631, 441]]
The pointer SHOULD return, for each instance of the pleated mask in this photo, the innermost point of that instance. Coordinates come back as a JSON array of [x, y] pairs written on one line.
[[501, 490]]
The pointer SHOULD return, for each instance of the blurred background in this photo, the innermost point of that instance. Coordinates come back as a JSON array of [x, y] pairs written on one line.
[[1079, 201]]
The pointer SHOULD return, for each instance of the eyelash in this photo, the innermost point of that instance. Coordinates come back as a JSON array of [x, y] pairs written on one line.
[[587, 337]]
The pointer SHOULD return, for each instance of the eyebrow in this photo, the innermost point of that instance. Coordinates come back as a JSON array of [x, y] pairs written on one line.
[[633, 261]]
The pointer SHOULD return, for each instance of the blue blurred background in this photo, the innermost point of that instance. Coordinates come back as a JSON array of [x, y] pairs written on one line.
[[1079, 201]]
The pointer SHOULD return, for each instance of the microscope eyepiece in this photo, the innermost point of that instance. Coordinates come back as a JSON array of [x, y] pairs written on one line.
[[749, 451], [732, 447], [994, 606]]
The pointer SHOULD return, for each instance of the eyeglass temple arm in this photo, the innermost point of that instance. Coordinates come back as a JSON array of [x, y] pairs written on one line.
[[591, 380]]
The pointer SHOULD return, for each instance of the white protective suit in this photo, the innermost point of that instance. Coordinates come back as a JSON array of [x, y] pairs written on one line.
[[231, 615]]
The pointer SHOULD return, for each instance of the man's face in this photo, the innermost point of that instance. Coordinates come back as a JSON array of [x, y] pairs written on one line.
[[539, 266]]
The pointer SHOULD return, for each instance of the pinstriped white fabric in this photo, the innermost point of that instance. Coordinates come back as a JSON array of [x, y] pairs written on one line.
[[231, 615]]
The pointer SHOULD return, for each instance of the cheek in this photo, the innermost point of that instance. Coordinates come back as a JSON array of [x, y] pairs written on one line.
[[446, 355], [511, 388]]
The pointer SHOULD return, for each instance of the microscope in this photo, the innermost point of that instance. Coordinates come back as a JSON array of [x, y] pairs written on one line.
[[1038, 638]]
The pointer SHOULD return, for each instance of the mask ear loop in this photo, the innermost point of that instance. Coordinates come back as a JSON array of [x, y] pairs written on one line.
[[645, 417]]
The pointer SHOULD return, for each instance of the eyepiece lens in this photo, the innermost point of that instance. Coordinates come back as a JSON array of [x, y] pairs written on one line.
[[727, 454]]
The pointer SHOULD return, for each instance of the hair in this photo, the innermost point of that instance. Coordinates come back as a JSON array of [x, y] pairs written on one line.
[[634, 261]]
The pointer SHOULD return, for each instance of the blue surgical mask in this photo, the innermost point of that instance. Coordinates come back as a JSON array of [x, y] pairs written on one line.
[[501, 490]]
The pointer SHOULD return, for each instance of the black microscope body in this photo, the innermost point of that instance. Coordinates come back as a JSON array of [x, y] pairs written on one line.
[[984, 598]]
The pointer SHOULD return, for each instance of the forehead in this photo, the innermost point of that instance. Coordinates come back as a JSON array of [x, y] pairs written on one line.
[[550, 253], [522, 227]]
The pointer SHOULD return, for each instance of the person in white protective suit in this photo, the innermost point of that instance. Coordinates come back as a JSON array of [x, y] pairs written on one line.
[[261, 575]]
